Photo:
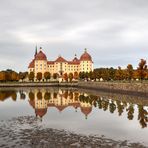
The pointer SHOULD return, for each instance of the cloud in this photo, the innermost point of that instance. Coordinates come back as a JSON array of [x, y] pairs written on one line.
[[115, 32]]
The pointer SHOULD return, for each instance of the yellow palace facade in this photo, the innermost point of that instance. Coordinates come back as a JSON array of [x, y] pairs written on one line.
[[60, 66]]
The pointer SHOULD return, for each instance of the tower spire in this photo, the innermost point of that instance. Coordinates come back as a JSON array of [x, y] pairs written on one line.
[[36, 51]]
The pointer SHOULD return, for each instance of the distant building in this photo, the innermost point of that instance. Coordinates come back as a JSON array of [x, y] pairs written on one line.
[[60, 65]]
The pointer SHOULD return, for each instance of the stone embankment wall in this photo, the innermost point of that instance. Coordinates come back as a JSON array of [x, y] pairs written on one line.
[[37, 84], [134, 87]]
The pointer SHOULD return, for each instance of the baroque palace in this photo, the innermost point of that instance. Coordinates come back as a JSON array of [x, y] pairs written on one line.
[[60, 66]]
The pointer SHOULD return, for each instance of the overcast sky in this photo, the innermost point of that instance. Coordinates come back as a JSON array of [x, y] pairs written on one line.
[[115, 32]]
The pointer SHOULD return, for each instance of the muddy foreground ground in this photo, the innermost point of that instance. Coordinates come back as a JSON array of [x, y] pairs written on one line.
[[26, 132]]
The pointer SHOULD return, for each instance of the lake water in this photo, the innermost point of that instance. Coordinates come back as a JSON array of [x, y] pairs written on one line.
[[115, 116]]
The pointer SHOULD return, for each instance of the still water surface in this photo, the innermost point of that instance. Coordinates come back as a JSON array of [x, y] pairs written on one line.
[[118, 117]]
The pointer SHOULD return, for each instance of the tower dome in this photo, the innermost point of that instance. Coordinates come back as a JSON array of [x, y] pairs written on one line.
[[86, 111], [40, 112], [40, 55], [85, 56]]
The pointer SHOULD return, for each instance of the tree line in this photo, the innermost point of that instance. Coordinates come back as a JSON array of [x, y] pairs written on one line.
[[128, 73], [8, 75], [104, 74]]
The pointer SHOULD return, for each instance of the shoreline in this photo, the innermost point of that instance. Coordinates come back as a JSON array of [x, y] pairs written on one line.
[[133, 89], [25, 131]]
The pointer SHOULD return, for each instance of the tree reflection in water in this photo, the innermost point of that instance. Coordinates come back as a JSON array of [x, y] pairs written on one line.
[[40, 100], [130, 112], [8, 94], [142, 116], [120, 107]]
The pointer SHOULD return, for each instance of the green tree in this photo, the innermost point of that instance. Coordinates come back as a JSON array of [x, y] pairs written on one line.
[[55, 75], [112, 73], [86, 75], [102, 73], [120, 107], [31, 76], [47, 96], [91, 75], [112, 107], [130, 112], [82, 75], [142, 116], [39, 95], [129, 71], [39, 76], [22, 75], [99, 102], [47, 75], [105, 104], [23, 96]]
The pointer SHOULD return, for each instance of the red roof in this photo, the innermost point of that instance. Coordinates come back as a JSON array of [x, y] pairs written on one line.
[[41, 112], [50, 62], [74, 63], [31, 65], [60, 59], [85, 57], [75, 59], [61, 107], [86, 110], [40, 56]]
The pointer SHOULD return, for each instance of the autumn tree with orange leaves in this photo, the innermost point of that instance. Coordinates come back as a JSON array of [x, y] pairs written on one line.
[[65, 77], [142, 69], [76, 75], [130, 71]]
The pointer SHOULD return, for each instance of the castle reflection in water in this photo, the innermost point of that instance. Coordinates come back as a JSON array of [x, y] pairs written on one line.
[[43, 99]]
